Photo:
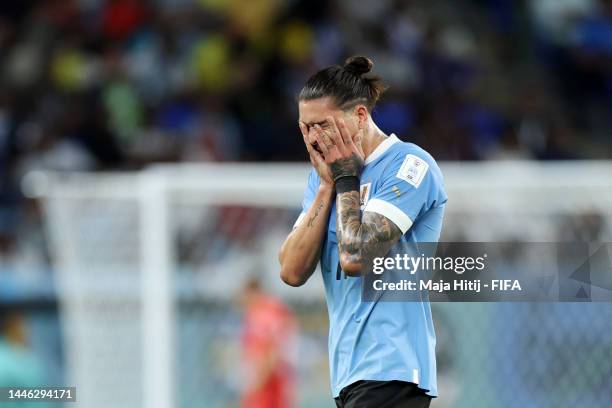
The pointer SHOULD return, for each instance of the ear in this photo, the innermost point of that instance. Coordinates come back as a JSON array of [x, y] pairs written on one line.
[[362, 116]]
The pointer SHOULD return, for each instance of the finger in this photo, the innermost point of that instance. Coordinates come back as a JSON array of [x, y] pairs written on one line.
[[346, 134], [320, 142], [303, 128], [356, 138], [333, 152], [310, 148], [325, 137], [307, 144], [318, 158], [325, 140], [337, 137], [314, 156], [356, 142]]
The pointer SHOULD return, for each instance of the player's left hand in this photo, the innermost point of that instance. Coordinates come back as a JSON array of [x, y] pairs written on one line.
[[341, 153]]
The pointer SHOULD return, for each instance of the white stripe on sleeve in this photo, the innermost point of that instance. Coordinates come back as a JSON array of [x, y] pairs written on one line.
[[390, 211]]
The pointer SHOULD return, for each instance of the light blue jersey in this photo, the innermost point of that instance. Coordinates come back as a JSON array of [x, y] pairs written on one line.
[[384, 340]]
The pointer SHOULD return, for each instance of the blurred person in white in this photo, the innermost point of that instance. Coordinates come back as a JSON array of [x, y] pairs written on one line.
[[269, 335], [19, 367]]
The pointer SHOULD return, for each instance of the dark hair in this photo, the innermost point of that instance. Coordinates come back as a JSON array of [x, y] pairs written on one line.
[[346, 85]]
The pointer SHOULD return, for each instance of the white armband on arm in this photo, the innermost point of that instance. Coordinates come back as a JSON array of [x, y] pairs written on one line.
[[397, 216]]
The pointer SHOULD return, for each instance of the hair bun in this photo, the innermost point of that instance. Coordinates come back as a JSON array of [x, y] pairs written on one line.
[[358, 65]]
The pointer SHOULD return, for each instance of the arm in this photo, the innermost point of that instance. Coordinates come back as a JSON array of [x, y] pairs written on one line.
[[301, 250], [361, 239]]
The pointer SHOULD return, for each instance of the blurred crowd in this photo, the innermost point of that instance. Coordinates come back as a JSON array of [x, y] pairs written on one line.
[[118, 84], [88, 85]]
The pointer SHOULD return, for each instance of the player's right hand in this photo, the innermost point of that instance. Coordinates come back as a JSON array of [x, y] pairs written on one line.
[[316, 158]]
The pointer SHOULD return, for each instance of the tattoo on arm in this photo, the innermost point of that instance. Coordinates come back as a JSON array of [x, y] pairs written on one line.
[[316, 214], [362, 240]]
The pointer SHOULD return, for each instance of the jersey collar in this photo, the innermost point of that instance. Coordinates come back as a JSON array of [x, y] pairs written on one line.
[[381, 148]]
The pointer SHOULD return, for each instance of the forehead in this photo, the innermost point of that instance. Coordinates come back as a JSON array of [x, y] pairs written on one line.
[[315, 110]]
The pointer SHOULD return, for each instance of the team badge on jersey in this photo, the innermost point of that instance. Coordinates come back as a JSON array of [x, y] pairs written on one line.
[[413, 170], [364, 194]]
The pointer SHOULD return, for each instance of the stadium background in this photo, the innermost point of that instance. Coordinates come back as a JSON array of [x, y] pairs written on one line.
[[99, 86]]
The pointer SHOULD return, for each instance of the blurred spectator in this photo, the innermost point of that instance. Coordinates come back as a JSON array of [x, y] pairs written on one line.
[[268, 343], [99, 85], [19, 367]]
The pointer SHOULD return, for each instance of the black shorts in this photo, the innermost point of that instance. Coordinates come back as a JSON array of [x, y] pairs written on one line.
[[382, 394]]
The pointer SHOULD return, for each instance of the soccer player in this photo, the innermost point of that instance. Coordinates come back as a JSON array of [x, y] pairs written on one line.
[[268, 338], [368, 195]]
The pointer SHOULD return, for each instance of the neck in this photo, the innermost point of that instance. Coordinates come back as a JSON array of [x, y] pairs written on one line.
[[372, 139]]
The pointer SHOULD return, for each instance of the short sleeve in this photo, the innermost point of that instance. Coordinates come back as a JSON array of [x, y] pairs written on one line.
[[409, 186], [309, 195]]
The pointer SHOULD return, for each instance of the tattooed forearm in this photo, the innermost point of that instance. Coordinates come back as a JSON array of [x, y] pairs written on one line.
[[348, 167], [316, 214], [360, 240]]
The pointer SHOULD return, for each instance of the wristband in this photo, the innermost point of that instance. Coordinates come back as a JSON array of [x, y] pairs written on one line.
[[346, 184]]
